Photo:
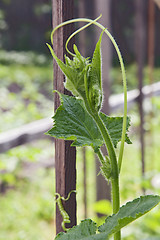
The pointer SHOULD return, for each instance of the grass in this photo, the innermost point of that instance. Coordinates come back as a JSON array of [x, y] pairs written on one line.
[[27, 209], [24, 87]]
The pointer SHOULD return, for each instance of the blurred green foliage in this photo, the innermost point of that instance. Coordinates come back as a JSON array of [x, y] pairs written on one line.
[[23, 58], [24, 86], [132, 80], [103, 207], [26, 201], [27, 211]]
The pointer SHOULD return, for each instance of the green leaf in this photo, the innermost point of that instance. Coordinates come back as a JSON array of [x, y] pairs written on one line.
[[67, 70], [73, 122], [86, 230], [97, 63], [94, 80], [74, 71], [128, 213], [114, 126], [78, 65]]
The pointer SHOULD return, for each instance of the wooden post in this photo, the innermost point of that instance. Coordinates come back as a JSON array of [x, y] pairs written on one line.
[[65, 156]]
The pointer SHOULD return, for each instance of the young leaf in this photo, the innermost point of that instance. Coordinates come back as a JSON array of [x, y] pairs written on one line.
[[73, 122], [128, 213], [74, 71], [78, 65], [77, 70], [94, 79], [96, 62], [86, 230], [67, 70]]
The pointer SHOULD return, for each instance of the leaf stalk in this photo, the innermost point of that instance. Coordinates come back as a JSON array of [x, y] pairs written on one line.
[[114, 165]]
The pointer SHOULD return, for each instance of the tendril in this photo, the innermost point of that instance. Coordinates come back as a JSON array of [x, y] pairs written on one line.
[[64, 214]]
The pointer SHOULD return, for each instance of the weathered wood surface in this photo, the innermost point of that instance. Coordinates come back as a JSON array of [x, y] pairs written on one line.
[[35, 130], [29, 168], [65, 155], [24, 134], [116, 101]]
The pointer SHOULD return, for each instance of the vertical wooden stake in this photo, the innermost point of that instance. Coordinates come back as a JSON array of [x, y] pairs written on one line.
[[65, 156]]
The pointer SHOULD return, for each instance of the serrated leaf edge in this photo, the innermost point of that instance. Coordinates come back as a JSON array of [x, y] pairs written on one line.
[[134, 218], [71, 137], [74, 228]]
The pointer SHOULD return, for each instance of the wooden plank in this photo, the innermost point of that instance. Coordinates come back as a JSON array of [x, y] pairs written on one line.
[[116, 101], [24, 134], [65, 156], [28, 168]]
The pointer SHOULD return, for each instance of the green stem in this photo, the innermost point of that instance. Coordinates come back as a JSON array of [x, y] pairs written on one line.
[[100, 156], [109, 145], [116, 202], [114, 165]]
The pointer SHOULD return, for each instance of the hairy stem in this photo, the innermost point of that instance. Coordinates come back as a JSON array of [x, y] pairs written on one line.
[[114, 165], [100, 156], [109, 145], [116, 202]]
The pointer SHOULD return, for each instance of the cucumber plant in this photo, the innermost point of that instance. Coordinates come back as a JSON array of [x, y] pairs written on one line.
[[79, 118]]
